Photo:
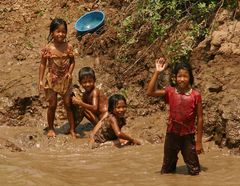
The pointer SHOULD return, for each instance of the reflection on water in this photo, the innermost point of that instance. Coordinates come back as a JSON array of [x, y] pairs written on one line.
[[138, 165]]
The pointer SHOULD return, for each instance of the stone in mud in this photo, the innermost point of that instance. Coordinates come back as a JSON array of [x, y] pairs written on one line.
[[6, 144], [233, 134], [27, 139], [151, 137], [215, 88], [218, 37], [235, 151]]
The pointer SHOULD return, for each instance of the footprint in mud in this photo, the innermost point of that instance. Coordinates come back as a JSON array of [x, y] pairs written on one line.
[[27, 140]]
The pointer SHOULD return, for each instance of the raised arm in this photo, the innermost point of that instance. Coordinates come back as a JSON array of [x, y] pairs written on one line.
[[199, 147], [120, 134], [151, 91]]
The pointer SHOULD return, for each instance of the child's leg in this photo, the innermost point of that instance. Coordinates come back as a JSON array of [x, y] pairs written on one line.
[[91, 117], [67, 105], [190, 155], [78, 115], [171, 149], [52, 100]]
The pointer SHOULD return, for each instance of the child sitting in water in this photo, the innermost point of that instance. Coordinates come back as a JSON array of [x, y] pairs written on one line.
[[185, 105], [109, 127], [93, 103]]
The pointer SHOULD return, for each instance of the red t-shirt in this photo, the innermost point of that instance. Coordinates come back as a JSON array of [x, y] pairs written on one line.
[[183, 110]]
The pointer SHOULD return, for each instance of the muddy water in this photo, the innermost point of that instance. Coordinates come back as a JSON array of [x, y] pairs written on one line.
[[110, 166]]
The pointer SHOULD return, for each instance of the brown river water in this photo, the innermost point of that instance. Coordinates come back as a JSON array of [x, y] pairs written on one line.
[[135, 165]]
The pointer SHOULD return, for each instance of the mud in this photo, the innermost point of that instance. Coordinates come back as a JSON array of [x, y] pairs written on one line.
[[24, 29]]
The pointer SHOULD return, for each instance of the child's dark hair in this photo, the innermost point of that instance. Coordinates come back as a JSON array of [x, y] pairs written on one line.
[[86, 71], [112, 101], [185, 66], [54, 25]]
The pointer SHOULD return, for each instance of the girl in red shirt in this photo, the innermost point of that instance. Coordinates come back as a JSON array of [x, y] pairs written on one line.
[[185, 106]]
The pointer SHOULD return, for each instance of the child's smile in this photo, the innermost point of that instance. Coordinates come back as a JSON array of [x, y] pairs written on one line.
[[88, 83], [120, 108], [59, 34], [183, 80]]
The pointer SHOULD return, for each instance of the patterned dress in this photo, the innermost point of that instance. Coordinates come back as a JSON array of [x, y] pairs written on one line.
[[106, 132], [58, 67]]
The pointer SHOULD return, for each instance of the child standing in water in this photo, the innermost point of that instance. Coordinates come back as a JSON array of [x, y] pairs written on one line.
[[58, 57], [185, 106], [93, 104], [109, 127]]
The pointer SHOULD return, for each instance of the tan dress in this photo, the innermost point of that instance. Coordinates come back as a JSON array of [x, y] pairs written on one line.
[[56, 79]]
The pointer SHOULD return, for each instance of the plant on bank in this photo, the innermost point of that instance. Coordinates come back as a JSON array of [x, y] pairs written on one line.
[[166, 18]]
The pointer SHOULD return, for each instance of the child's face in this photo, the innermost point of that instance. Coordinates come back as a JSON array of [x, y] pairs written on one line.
[[88, 83], [120, 108], [183, 79], [59, 34]]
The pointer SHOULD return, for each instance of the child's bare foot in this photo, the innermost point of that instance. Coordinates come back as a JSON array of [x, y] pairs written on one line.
[[51, 133], [91, 138], [73, 134]]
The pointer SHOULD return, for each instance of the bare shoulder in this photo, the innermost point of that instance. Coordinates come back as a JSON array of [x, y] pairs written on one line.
[[95, 92], [100, 92], [88, 96], [111, 118]]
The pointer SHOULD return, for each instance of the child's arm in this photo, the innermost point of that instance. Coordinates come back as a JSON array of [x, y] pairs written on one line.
[[96, 128], [93, 107], [199, 147], [72, 61], [151, 91], [94, 131], [44, 56], [120, 134]]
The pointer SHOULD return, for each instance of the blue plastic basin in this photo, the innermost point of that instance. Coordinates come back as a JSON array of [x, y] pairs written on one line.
[[90, 21]]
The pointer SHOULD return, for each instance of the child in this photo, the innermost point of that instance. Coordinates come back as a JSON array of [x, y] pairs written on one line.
[[185, 105], [109, 128], [58, 57], [93, 104]]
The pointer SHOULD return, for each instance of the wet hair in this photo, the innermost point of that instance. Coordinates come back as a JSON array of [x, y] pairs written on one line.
[[54, 25], [86, 71], [112, 101], [184, 66]]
